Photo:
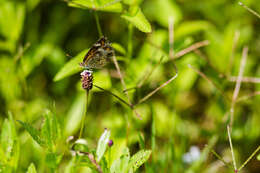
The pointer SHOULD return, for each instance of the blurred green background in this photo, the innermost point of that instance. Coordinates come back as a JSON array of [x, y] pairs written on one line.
[[186, 115]]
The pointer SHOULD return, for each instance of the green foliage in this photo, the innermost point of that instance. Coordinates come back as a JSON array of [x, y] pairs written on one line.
[[99, 5], [137, 18], [31, 169], [125, 164], [70, 67], [190, 112], [9, 146], [102, 144]]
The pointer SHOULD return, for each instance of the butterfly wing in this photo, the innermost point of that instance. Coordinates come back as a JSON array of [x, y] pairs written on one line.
[[99, 54]]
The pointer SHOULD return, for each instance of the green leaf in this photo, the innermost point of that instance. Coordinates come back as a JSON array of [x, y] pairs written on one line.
[[53, 160], [137, 18], [35, 134], [9, 145], [258, 157], [120, 165], [80, 145], [71, 67], [191, 27], [119, 48], [50, 130], [104, 5], [102, 144], [161, 10], [138, 159], [31, 169]]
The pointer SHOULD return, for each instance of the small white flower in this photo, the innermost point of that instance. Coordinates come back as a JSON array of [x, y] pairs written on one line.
[[192, 155]]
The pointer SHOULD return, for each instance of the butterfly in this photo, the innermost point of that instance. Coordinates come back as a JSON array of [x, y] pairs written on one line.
[[98, 55]]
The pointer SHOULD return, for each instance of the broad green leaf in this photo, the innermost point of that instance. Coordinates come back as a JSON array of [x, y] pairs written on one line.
[[120, 165], [35, 134], [102, 144], [162, 10], [71, 67], [138, 159], [191, 27], [31, 169], [119, 48], [53, 160], [104, 5], [137, 18]]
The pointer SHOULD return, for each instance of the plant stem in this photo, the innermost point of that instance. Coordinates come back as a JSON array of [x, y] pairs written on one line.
[[249, 158], [98, 24], [231, 148], [84, 116]]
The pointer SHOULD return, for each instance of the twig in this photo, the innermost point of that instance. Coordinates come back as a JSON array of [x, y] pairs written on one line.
[[220, 158], [231, 148], [238, 84], [247, 96], [191, 48], [124, 86], [249, 9], [209, 80], [171, 40], [109, 92], [245, 79], [234, 46], [140, 84], [121, 79], [157, 89], [249, 158]]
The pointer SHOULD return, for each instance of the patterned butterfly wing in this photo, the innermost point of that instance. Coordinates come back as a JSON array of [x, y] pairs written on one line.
[[99, 54]]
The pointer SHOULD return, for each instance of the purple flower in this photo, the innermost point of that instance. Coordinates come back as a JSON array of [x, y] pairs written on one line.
[[110, 143], [87, 79]]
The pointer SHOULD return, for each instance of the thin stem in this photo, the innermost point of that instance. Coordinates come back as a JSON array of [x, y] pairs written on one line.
[[238, 83], [109, 92], [98, 24], [248, 96], [209, 80], [249, 158], [220, 158], [121, 79], [231, 148], [245, 79], [158, 88], [191, 48], [130, 41], [249, 9], [84, 116], [140, 84]]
